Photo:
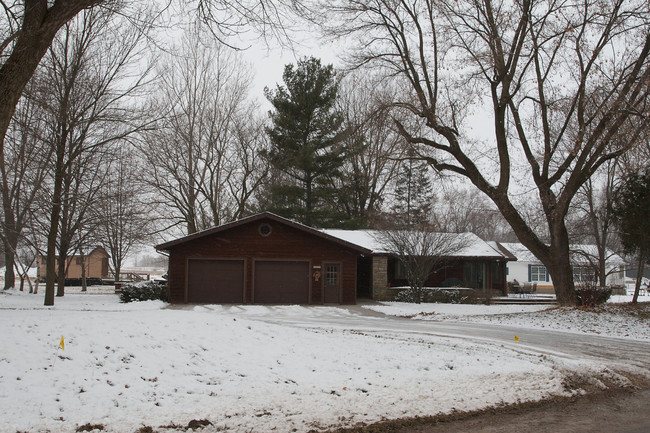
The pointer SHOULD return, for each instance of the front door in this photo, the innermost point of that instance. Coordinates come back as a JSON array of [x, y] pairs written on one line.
[[332, 283]]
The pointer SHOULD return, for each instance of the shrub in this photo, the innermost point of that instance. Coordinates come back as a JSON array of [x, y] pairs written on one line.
[[443, 296], [148, 291], [590, 296]]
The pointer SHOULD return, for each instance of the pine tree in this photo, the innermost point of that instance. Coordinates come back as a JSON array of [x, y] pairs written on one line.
[[631, 210], [306, 145], [413, 194]]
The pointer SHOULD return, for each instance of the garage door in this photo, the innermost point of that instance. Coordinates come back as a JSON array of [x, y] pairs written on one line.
[[215, 281], [281, 282]]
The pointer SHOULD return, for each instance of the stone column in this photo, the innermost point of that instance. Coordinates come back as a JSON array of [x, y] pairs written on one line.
[[379, 277]]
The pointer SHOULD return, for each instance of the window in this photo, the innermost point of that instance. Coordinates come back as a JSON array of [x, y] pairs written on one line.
[[265, 229], [80, 261], [537, 273], [400, 270], [473, 273], [497, 272], [582, 274], [332, 275]]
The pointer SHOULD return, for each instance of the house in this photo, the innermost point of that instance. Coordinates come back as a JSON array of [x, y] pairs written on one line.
[[95, 262], [477, 265], [527, 268], [267, 259], [262, 259]]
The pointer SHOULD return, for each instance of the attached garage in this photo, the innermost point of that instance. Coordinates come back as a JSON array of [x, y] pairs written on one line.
[[262, 259], [281, 282], [211, 281]]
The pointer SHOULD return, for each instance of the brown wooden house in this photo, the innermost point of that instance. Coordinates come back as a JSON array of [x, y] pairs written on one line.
[[267, 259], [262, 259], [95, 262]]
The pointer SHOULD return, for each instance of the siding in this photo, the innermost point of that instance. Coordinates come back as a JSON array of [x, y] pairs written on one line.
[[245, 242]]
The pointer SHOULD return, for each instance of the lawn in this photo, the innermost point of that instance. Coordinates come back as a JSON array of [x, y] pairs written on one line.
[[126, 366]]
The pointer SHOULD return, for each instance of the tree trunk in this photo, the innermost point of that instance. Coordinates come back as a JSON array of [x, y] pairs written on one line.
[[61, 273], [10, 276], [84, 287], [562, 275], [118, 269], [639, 278], [55, 216]]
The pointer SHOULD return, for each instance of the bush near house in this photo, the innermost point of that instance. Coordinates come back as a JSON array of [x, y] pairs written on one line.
[[148, 291], [437, 295], [590, 296]]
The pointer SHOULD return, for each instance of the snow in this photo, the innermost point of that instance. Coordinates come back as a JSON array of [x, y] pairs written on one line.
[[611, 320], [371, 239], [130, 365]]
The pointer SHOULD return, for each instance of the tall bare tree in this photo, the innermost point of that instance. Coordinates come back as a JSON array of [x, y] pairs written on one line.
[[89, 74], [123, 215], [201, 151], [593, 205], [558, 79], [374, 146], [23, 167]]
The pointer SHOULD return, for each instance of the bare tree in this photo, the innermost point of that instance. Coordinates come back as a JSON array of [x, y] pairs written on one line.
[[90, 77], [27, 29], [203, 148], [595, 224], [559, 80], [421, 252], [458, 209], [374, 146], [23, 166], [250, 168], [123, 215]]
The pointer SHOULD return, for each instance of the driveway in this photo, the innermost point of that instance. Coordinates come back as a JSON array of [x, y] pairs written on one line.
[[619, 354]]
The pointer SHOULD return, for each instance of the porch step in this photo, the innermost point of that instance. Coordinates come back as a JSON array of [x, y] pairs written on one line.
[[524, 301]]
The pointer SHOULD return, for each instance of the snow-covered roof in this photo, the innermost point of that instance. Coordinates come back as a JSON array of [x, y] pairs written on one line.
[[371, 239], [522, 253], [579, 253]]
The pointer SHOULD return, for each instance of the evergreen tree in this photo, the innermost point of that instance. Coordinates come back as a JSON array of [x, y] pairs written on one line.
[[631, 210], [306, 146], [413, 194]]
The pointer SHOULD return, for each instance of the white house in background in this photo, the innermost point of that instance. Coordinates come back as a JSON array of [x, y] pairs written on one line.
[[528, 269]]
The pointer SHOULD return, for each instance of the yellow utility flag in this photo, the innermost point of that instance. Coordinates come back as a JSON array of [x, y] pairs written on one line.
[[61, 344], [516, 339]]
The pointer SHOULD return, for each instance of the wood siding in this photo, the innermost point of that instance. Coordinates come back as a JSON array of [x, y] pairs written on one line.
[[96, 265], [246, 242]]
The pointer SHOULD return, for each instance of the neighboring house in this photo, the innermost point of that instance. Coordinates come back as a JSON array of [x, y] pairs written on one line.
[[95, 262], [267, 259], [527, 268]]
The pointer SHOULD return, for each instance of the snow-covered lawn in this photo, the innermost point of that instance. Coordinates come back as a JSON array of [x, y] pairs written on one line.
[[130, 365], [612, 319]]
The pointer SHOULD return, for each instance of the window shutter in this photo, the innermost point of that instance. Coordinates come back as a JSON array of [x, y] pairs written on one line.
[[529, 272], [547, 275]]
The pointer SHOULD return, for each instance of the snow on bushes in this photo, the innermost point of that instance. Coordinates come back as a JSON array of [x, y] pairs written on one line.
[[148, 291]]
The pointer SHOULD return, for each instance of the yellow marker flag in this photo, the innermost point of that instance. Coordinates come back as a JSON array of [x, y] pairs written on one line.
[[516, 338], [61, 344]]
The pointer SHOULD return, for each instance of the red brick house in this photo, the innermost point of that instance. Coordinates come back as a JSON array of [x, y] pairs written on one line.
[[267, 259]]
